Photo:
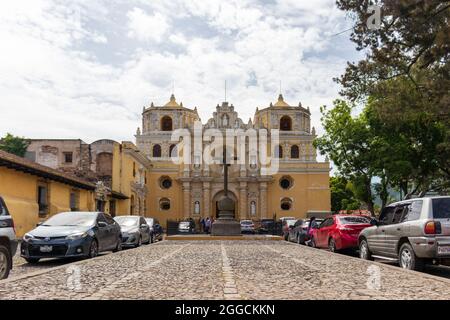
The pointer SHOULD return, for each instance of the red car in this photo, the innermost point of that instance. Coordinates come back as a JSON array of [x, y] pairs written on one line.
[[339, 232]]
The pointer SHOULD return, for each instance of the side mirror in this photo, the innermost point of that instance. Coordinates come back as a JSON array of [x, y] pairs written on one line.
[[101, 224], [374, 222]]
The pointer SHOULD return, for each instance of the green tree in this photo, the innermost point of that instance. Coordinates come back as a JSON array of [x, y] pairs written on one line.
[[13, 144], [412, 41], [342, 196], [347, 141], [404, 81]]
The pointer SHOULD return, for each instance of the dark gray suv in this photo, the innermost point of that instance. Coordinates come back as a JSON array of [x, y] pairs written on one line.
[[413, 232], [8, 241]]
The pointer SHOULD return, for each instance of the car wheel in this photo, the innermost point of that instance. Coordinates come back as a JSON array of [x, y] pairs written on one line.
[[118, 246], [139, 243], [332, 245], [32, 260], [5, 262], [364, 252], [93, 249], [149, 239], [409, 260]]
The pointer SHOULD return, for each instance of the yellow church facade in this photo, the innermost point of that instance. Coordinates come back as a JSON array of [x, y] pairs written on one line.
[[273, 169]]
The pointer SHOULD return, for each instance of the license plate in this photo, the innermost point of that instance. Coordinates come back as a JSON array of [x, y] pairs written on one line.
[[444, 250], [46, 248]]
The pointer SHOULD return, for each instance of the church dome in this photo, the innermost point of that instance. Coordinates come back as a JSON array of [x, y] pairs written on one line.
[[281, 102], [172, 103]]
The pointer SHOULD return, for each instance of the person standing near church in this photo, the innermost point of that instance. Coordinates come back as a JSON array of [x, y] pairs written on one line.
[[208, 225], [202, 223]]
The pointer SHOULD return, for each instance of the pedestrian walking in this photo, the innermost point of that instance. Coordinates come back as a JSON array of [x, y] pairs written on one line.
[[208, 225], [202, 223]]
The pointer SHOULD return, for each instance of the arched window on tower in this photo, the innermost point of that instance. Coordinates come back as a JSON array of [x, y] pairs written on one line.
[[156, 151], [285, 123], [295, 152], [166, 123]]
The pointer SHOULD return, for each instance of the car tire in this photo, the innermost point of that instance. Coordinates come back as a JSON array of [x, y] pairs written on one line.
[[408, 259], [149, 239], [5, 262], [332, 245], [364, 251], [118, 246], [139, 243], [32, 260], [93, 249]]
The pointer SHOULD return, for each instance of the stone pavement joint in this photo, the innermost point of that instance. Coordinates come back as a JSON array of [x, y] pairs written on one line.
[[230, 291]]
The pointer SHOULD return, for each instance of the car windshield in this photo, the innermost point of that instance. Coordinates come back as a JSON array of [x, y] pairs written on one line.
[[84, 219], [127, 221], [247, 222], [184, 224], [441, 208], [354, 220]]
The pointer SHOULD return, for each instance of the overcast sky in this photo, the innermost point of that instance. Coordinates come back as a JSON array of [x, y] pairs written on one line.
[[84, 69]]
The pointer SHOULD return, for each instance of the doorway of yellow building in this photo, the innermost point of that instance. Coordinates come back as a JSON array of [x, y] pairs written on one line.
[[219, 196]]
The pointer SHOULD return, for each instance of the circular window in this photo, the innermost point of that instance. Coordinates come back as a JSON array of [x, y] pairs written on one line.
[[164, 204], [286, 182], [286, 204], [166, 182]]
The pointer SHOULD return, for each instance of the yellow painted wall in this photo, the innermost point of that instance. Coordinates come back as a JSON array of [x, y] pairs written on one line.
[[310, 192], [122, 178], [19, 190], [156, 193]]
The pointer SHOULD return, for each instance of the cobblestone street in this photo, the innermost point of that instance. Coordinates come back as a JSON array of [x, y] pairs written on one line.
[[220, 270]]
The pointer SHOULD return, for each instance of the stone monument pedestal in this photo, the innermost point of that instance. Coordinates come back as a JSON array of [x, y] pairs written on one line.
[[225, 225]]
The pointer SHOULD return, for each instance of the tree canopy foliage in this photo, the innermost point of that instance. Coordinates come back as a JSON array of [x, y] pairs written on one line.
[[14, 145], [402, 135]]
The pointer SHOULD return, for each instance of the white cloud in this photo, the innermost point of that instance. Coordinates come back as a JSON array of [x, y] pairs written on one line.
[[146, 27], [76, 70]]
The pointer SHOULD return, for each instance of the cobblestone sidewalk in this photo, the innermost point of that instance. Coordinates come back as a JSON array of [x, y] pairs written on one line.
[[224, 270]]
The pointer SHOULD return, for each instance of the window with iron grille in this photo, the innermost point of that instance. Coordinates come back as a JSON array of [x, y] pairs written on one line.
[[68, 157]]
